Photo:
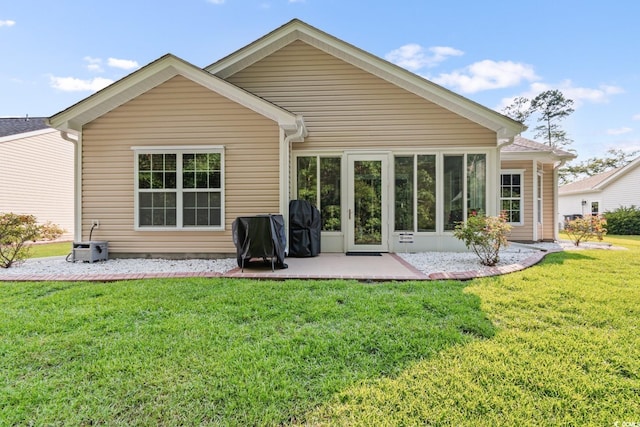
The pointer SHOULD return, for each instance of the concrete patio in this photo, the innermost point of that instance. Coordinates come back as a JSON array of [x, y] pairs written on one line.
[[336, 266], [386, 267]]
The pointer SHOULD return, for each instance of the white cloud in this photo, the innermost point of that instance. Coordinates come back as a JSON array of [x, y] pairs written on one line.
[[487, 74], [216, 1], [414, 57], [94, 64], [579, 95], [72, 84], [125, 64], [628, 145], [7, 23], [636, 117], [619, 131]]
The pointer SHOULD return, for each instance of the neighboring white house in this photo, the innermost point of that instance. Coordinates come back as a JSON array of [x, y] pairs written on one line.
[[601, 193], [37, 171]]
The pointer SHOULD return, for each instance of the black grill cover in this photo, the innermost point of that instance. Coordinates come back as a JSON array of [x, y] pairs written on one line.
[[259, 236], [304, 229]]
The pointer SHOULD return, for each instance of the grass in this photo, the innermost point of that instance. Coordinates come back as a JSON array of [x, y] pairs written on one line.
[[49, 249], [194, 352], [556, 344], [566, 352]]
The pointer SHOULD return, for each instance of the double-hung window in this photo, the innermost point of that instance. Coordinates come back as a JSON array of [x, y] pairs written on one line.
[[179, 188], [511, 196]]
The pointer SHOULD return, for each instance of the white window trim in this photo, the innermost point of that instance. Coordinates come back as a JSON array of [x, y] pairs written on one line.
[[318, 155], [179, 149], [540, 198], [440, 154], [520, 172]]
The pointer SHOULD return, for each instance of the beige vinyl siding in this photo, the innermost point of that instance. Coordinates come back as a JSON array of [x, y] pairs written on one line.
[[177, 113], [37, 178], [523, 232], [345, 107], [549, 210]]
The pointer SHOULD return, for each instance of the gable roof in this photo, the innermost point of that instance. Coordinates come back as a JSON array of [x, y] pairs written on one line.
[[156, 73], [294, 30], [16, 125], [598, 182], [534, 149]]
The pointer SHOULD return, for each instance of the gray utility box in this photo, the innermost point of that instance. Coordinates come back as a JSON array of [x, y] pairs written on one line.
[[91, 251]]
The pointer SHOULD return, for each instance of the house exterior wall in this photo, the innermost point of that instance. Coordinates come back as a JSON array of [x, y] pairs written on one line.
[[525, 231], [37, 178], [618, 193], [571, 204], [347, 109], [548, 198], [178, 112], [611, 197]]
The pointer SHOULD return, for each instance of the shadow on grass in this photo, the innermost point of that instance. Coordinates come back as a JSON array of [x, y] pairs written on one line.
[[561, 257], [233, 352]]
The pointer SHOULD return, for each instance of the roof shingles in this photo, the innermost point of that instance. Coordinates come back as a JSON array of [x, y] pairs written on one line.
[[16, 125]]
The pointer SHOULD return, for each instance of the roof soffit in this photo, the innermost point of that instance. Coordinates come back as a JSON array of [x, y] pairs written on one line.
[[298, 30]]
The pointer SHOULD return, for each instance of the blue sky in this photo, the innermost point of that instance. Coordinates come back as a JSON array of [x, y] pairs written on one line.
[[55, 53]]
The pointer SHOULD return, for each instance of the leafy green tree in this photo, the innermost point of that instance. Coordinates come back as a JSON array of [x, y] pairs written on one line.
[[551, 107], [519, 110]]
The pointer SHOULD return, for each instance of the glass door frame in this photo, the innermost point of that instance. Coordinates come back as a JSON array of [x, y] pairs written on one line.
[[351, 158]]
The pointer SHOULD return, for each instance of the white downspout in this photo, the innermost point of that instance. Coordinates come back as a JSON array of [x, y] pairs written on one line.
[[77, 184]]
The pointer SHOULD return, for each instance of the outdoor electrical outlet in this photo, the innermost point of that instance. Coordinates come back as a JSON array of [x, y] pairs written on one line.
[[95, 223]]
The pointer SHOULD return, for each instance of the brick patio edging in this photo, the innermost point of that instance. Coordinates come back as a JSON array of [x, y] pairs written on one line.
[[236, 273]]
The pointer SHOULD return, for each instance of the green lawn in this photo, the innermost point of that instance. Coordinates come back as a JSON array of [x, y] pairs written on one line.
[[556, 344], [50, 249]]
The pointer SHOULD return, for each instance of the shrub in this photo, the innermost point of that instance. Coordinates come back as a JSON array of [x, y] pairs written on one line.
[[585, 229], [16, 230], [623, 221], [485, 235]]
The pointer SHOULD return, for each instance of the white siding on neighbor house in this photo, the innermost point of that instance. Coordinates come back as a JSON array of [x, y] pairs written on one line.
[[177, 112], [345, 107], [37, 178], [624, 191], [571, 204]]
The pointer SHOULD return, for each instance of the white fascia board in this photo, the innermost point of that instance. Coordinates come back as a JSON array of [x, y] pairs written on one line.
[[618, 174], [532, 155], [153, 75], [298, 30], [23, 135], [576, 192]]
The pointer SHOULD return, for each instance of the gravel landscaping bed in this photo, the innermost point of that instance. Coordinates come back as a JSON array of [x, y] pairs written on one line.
[[427, 262]]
